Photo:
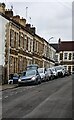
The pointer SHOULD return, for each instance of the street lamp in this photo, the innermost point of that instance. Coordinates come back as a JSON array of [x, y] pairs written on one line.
[[50, 39], [50, 49]]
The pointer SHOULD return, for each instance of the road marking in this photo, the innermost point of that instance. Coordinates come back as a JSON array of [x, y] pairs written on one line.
[[6, 97], [11, 94], [15, 92]]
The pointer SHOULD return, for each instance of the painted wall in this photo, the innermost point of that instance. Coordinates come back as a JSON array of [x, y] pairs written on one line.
[[3, 23]]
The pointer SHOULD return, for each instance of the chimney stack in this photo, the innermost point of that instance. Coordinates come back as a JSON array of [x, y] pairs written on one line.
[[23, 22], [28, 26], [9, 13], [33, 30], [59, 42], [16, 18], [2, 8]]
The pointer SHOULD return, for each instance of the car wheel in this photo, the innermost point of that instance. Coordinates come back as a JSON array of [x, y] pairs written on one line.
[[52, 77], [40, 81], [36, 82], [49, 78], [19, 84]]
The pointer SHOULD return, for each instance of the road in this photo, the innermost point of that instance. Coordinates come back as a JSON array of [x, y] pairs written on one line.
[[52, 99]]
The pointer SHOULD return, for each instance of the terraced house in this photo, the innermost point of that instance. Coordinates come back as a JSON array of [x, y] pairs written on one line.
[[20, 45], [65, 54]]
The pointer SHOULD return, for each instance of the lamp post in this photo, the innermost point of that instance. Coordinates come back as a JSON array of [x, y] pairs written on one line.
[[50, 39], [50, 49], [26, 12]]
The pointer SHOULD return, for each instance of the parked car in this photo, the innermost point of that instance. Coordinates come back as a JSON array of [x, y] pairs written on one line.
[[54, 72], [13, 78], [67, 73], [50, 74], [60, 70], [43, 73], [32, 67], [29, 76]]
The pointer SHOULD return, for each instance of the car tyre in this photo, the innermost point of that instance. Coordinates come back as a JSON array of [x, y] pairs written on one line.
[[36, 82], [40, 81], [19, 84]]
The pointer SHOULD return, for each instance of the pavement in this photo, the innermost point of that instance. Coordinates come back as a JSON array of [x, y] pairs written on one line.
[[7, 86]]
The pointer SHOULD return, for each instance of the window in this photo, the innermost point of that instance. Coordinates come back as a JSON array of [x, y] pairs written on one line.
[[69, 68], [73, 56], [16, 40], [69, 56], [20, 63], [65, 56], [72, 68], [32, 46], [35, 46], [65, 67], [61, 56], [21, 40], [12, 38], [56, 58], [25, 40], [27, 43]]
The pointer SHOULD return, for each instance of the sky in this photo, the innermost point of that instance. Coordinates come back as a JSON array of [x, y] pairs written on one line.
[[52, 18]]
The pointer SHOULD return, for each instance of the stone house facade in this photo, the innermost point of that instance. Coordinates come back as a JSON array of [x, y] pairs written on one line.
[[22, 46]]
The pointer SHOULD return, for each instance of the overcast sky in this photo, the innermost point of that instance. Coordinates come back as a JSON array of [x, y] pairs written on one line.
[[51, 18]]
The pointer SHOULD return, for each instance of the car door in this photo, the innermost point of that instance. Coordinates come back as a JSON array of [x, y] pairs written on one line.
[[38, 75]]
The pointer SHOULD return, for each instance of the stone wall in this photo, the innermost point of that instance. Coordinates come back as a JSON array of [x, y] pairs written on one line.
[[0, 74], [3, 75]]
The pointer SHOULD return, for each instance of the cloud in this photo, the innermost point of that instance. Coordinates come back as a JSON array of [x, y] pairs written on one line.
[[40, 1], [50, 18]]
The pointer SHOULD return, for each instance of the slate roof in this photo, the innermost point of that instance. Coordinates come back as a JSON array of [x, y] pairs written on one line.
[[64, 46], [55, 46]]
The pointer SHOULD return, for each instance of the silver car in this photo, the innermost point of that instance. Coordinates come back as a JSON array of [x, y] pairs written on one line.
[[54, 71], [43, 73], [30, 76], [60, 70], [50, 74]]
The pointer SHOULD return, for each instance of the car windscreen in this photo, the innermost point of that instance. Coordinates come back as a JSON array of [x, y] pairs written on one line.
[[32, 68], [58, 68], [40, 70], [30, 73], [15, 75], [52, 69]]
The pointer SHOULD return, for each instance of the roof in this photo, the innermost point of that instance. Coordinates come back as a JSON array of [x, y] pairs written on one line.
[[55, 46], [66, 46]]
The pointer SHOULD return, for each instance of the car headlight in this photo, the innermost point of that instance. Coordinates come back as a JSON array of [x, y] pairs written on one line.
[[19, 80], [33, 78]]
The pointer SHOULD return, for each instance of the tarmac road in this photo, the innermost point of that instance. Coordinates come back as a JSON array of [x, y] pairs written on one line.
[[52, 99]]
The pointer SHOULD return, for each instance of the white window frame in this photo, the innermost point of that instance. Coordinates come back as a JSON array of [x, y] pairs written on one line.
[[73, 56], [66, 57]]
